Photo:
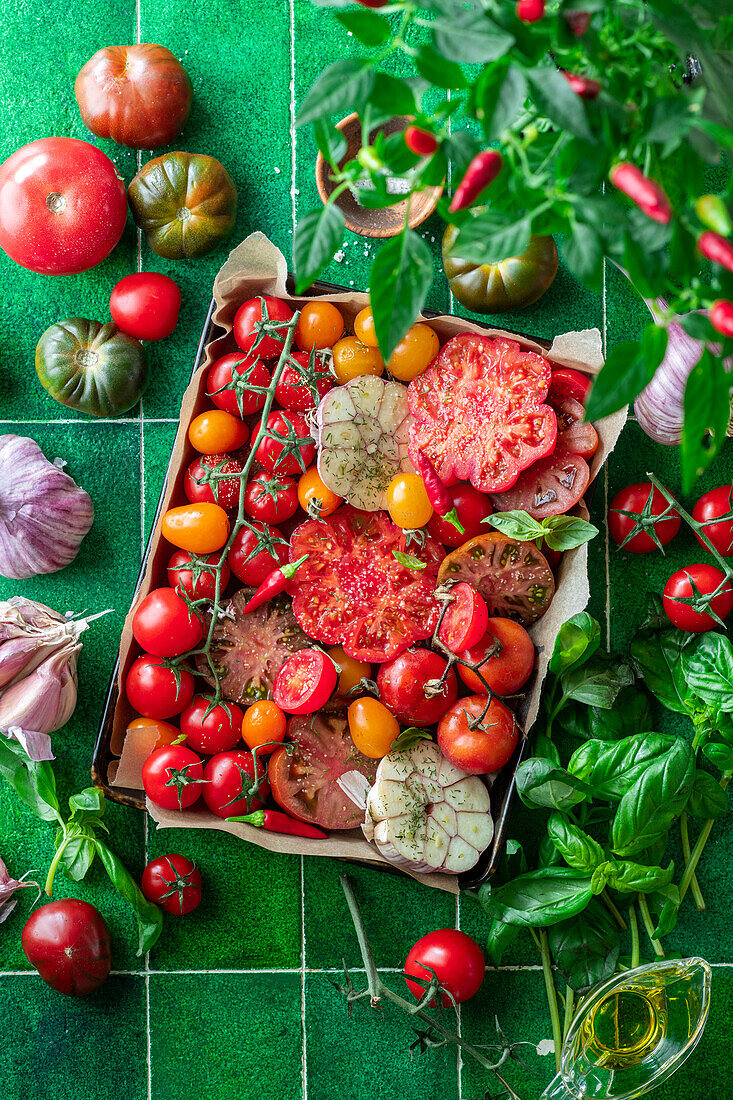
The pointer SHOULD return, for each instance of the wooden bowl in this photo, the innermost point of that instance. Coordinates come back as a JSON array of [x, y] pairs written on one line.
[[387, 222]]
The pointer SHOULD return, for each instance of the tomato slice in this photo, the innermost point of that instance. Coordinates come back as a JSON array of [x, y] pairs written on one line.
[[574, 433], [305, 682], [513, 577], [305, 783], [478, 411], [567, 382], [466, 619], [353, 591], [551, 487]]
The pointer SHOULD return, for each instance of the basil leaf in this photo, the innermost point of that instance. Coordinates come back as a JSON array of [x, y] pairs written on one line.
[[585, 948], [579, 850], [567, 532], [708, 669], [33, 781], [366, 26], [546, 747], [706, 416], [720, 755], [666, 902], [540, 898], [541, 783], [547, 853], [400, 279], [409, 737], [318, 236], [707, 798], [516, 524], [554, 98], [658, 658], [612, 768], [90, 800], [597, 682], [78, 853], [647, 810], [489, 238], [499, 938], [408, 560], [332, 144], [637, 878], [341, 87], [577, 641], [149, 917]]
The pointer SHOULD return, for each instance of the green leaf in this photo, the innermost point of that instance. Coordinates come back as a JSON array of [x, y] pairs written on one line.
[[707, 413], [341, 87], [441, 73], [400, 279], [583, 253], [500, 93], [517, 524], [149, 917], [631, 713], [391, 96], [78, 853], [500, 937], [708, 670], [579, 850], [366, 26], [90, 800], [540, 898], [708, 800], [719, 754], [408, 560], [611, 768], [666, 902], [586, 947], [470, 36], [647, 810], [629, 368], [577, 640], [567, 532], [318, 236], [331, 143], [637, 878], [540, 783], [658, 658], [409, 737], [34, 782], [490, 238], [555, 99], [598, 682]]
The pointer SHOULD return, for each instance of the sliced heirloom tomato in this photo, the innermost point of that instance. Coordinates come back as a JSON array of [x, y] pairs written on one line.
[[305, 783], [574, 433], [478, 411], [513, 577], [567, 382], [465, 620], [551, 487], [352, 589]]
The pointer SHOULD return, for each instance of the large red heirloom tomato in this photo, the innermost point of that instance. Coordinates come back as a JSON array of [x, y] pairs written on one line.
[[62, 206], [140, 96]]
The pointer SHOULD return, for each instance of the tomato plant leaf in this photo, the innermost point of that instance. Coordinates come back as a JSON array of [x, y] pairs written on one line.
[[489, 238], [470, 36], [317, 238], [342, 86], [707, 413], [499, 97], [586, 947], [332, 144], [628, 369], [366, 26], [540, 898], [555, 98], [400, 280]]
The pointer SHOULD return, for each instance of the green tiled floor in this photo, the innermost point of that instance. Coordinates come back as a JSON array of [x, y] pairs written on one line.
[[217, 1009]]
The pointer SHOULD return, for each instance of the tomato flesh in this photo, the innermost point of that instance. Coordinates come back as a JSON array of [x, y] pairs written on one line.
[[485, 748], [68, 943], [513, 577], [507, 669], [456, 960], [567, 382], [551, 487], [305, 682], [403, 681], [574, 433], [465, 620]]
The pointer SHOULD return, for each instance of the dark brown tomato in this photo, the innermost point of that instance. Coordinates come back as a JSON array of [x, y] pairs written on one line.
[[511, 284], [550, 487], [249, 650], [513, 577]]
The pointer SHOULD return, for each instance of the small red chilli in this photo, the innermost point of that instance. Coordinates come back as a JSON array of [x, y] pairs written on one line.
[[420, 142], [272, 821], [583, 86], [483, 170], [577, 21], [530, 11], [721, 316], [645, 192], [438, 495], [273, 584], [716, 248]]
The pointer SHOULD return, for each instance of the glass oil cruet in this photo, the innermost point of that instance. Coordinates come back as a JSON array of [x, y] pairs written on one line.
[[633, 1031]]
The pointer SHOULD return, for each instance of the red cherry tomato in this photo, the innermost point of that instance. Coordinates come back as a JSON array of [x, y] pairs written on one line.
[[216, 731], [272, 499], [711, 506], [202, 480], [466, 619], [684, 593], [291, 457], [164, 626], [456, 960], [403, 686], [68, 943], [633, 510], [173, 882], [231, 383], [252, 563], [293, 392], [249, 316], [508, 668], [305, 682], [189, 572], [477, 740], [145, 305], [156, 691], [231, 787], [566, 382], [471, 508], [172, 777]]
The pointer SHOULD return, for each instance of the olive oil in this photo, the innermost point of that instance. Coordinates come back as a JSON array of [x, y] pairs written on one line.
[[624, 1028]]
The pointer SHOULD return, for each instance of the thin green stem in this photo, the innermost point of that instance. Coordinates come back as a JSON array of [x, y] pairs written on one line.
[[649, 925], [551, 995], [698, 528], [364, 946], [613, 910], [569, 1005], [695, 885], [55, 862], [634, 926], [699, 846]]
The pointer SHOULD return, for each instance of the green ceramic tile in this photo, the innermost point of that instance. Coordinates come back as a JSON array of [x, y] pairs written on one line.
[[158, 439], [72, 1048], [367, 1057], [225, 1036]]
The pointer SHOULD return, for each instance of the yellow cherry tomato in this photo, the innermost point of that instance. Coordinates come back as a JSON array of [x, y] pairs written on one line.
[[198, 528], [314, 496], [263, 722], [319, 326], [364, 327], [407, 501], [351, 359], [373, 728], [351, 671], [414, 353], [215, 431]]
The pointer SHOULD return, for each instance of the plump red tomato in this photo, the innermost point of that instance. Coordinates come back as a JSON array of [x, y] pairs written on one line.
[[550, 487], [190, 573], [236, 384], [456, 960], [634, 519], [405, 686], [199, 528], [203, 482], [477, 740], [264, 726], [164, 626], [574, 433], [173, 882], [232, 786], [293, 452], [63, 206], [173, 777], [250, 315], [320, 325], [466, 619], [257, 549], [145, 305], [472, 508], [272, 499], [478, 411], [305, 783], [712, 506], [68, 943], [293, 392], [566, 382], [684, 597], [216, 431], [156, 691], [513, 577], [372, 726], [211, 729], [305, 682], [505, 654]]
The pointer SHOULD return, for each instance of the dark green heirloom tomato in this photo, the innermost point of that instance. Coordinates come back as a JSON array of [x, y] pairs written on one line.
[[185, 203], [514, 283], [91, 367]]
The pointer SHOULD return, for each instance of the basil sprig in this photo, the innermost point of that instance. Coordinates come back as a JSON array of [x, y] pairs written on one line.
[[559, 532]]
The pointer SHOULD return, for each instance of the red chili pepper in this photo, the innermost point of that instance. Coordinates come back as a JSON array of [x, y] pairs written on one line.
[[273, 583], [721, 316], [438, 495], [274, 822], [483, 170], [530, 11], [577, 21], [421, 142], [583, 86], [645, 192], [716, 248]]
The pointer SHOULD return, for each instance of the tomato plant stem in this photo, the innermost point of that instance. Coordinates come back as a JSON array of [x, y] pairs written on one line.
[[551, 995], [649, 925], [695, 885], [55, 862], [699, 846], [698, 528], [634, 926], [364, 946]]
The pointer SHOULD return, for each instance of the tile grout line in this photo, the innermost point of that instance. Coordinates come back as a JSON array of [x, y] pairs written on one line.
[[293, 151], [304, 1033], [607, 548], [99, 422]]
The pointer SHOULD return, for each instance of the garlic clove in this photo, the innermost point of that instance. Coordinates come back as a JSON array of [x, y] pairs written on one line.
[[45, 699]]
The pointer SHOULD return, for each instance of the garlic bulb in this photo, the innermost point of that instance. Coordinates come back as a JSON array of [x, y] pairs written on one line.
[[44, 515], [45, 699]]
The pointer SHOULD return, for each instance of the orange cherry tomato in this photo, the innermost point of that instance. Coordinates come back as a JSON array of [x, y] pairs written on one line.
[[167, 732], [351, 359], [216, 431], [373, 728], [414, 353], [320, 325], [198, 528], [263, 722], [364, 327], [315, 497], [407, 501], [351, 671]]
